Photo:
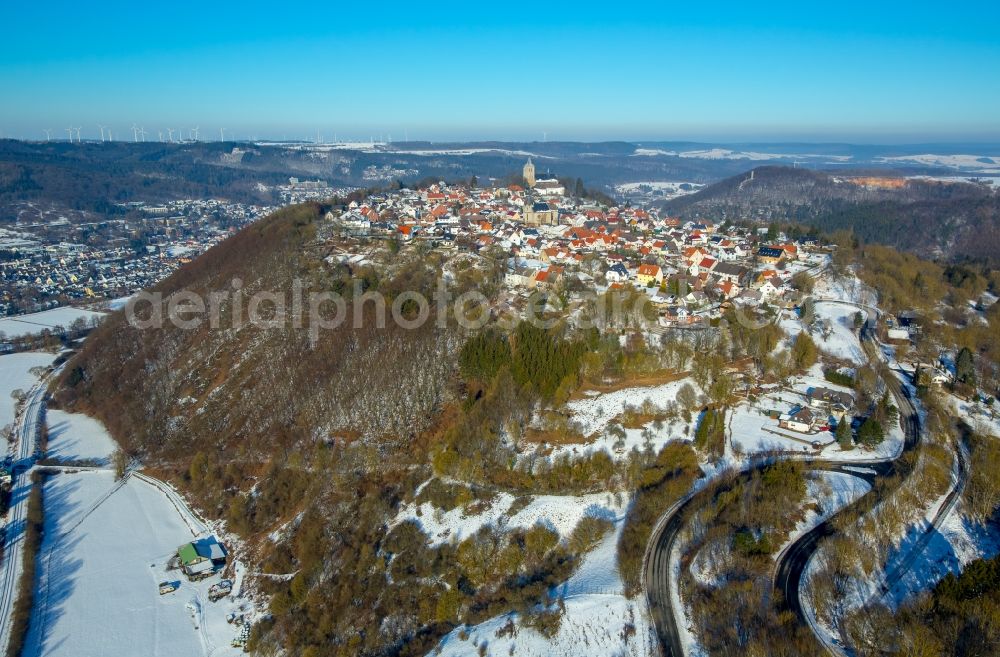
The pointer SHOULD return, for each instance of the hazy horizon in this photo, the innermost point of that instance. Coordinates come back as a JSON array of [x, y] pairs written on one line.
[[737, 72]]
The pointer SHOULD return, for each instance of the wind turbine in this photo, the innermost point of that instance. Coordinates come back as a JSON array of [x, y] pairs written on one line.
[[195, 131], [48, 134], [170, 135], [160, 132], [69, 131], [135, 133], [142, 133], [102, 127], [78, 134], [222, 134]]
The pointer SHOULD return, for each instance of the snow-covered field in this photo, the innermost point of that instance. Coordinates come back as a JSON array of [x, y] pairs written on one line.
[[99, 568], [975, 162], [21, 325], [668, 190], [992, 181], [842, 341], [982, 418], [598, 621], [950, 549], [15, 374], [729, 154], [592, 414], [557, 512], [75, 437]]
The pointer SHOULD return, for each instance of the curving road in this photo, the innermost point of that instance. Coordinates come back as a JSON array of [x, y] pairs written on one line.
[[656, 578], [792, 561], [657, 565]]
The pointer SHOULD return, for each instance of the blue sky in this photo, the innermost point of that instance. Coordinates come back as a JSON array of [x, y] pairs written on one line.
[[862, 72]]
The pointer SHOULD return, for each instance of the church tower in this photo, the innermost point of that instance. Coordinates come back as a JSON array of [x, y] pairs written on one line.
[[529, 173]]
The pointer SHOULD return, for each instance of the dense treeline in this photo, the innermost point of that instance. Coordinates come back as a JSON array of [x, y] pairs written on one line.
[[34, 526], [945, 299], [535, 358], [731, 540], [710, 436], [662, 483], [959, 618]]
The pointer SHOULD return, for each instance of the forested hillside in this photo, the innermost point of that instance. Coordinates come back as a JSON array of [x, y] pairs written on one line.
[[307, 448], [954, 221], [166, 390]]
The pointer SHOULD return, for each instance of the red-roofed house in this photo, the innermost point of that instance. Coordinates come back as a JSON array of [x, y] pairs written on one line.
[[647, 274]]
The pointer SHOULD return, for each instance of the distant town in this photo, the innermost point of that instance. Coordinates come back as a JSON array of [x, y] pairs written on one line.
[[48, 263]]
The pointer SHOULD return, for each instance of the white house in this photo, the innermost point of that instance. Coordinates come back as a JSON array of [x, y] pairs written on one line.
[[801, 420]]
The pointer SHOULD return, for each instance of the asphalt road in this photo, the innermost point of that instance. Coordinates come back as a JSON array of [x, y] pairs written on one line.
[[792, 562]]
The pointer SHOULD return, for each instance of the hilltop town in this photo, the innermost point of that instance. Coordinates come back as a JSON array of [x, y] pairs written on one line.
[[552, 239], [541, 488]]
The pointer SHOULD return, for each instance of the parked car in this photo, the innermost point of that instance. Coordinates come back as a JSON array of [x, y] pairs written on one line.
[[220, 590], [167, 587]]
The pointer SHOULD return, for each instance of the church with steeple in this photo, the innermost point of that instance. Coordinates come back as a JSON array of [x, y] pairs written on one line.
[[529, 173]]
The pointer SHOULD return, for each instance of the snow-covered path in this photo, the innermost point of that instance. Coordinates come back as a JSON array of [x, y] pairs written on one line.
[[25, 432]]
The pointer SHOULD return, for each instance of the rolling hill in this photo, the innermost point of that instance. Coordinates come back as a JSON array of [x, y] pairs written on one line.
[[933, 218]]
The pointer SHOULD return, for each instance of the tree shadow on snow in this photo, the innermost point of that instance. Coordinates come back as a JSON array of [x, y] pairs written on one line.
[[57, 565]]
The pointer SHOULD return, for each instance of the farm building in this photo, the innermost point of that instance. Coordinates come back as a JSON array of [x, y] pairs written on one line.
[[201, 558]]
